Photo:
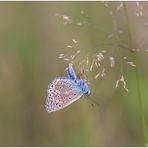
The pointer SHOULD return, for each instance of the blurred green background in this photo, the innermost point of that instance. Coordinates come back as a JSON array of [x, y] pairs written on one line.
[[32, 37]]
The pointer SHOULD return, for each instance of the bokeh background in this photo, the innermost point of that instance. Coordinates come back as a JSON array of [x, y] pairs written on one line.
[[32, 37]]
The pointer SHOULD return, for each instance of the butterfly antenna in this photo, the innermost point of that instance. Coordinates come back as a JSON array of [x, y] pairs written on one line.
[[93, 102]]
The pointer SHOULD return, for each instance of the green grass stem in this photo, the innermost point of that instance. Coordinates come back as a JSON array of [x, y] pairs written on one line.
[[141, 106]]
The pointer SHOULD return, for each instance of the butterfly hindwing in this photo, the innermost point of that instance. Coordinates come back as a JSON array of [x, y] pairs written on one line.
[[61, 93]]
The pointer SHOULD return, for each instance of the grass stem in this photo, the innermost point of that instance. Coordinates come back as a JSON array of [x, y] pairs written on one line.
[[141, 106]]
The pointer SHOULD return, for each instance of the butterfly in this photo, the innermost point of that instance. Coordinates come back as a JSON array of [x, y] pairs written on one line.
[[63, 91]]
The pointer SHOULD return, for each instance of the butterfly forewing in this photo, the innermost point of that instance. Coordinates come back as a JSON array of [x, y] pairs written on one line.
[[61, 93]]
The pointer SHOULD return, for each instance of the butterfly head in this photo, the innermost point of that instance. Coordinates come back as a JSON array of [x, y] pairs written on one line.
[[84, 86]]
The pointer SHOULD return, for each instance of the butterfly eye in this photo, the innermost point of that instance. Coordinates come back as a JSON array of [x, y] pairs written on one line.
[[87, 93]]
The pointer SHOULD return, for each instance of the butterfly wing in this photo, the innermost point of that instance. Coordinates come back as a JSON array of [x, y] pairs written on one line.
[[61, 93]]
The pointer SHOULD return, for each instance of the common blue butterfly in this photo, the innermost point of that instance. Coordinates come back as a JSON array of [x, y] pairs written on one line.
[[63, 91]]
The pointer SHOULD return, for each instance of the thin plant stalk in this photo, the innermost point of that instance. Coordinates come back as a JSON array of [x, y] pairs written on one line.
[[141, 106]]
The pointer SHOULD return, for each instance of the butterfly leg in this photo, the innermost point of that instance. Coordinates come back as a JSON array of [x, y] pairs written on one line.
[[71, 73]]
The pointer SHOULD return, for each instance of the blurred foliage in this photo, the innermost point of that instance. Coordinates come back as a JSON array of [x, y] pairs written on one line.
[[31, 39]]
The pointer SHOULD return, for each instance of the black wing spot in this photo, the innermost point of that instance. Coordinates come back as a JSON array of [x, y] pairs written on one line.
[[51, 86], [69, 98], [74, 94]]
